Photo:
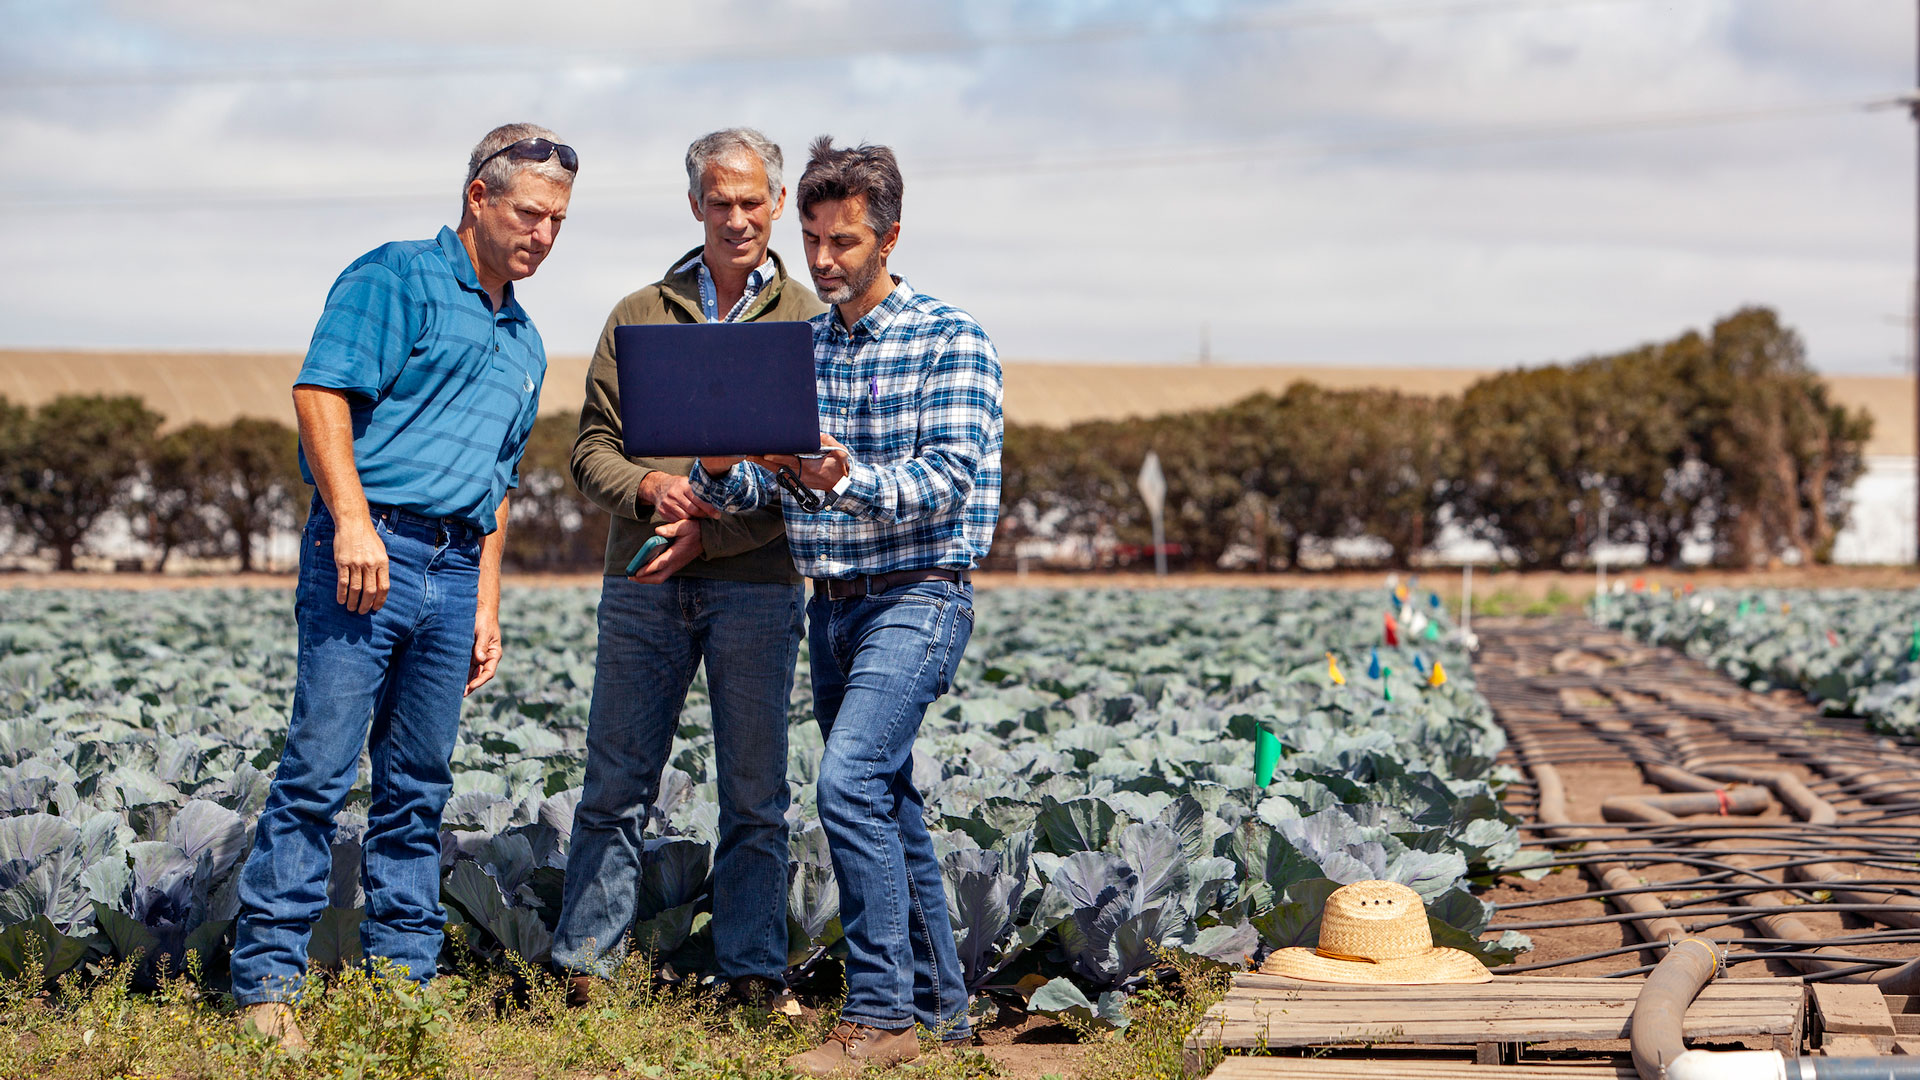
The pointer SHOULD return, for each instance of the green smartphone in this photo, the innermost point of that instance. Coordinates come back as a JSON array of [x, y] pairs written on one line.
[[647, 551]]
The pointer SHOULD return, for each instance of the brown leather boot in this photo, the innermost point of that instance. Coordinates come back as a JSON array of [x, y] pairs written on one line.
[[274, 1019], [853, 1048], [580, 991]]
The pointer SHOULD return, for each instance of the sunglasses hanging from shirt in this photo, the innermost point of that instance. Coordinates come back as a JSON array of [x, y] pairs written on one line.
[[533, 150], [809, 500]]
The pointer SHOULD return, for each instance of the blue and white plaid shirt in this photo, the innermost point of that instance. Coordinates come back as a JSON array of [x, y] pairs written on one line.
[[710, 297], [914, 392]]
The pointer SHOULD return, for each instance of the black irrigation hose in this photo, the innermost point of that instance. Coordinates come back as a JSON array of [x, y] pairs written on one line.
[[1661, 856], [1860, 965], [1877, 885], [1762, 829], [1864, 848], [1645, 946], [1647, 719], [1637, 916]]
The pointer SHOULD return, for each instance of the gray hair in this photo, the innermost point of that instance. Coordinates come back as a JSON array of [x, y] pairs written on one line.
[[832, 175], [500, 173], [719, 145]]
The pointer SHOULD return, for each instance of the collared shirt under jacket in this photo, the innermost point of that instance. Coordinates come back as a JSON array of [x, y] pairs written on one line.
[[710, 293]]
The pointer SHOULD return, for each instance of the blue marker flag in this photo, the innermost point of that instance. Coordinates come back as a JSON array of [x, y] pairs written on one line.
[[1373, 665]]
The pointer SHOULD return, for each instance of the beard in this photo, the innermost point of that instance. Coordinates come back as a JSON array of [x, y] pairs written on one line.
[[857, 282]]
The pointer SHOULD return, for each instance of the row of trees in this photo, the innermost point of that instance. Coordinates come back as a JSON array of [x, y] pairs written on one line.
[[1728, 436], [81, 471], [70, 466]]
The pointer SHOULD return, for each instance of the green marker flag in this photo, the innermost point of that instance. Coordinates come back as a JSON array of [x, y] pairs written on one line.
[[1386, 684], [1743, 609], [1266, 756], [1913, 649], [1433, 631]]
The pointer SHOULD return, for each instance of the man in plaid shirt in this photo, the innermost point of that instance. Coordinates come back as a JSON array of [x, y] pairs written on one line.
[[889, 522]]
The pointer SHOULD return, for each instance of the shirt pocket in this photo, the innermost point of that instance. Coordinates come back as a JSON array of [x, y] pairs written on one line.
[[890, 419]]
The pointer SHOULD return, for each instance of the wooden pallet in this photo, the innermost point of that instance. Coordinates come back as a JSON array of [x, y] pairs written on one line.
[[1280, 1068], [1266, 1011], [1853, 1020]]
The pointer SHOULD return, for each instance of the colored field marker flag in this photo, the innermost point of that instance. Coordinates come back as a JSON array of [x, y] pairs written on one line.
[[1333, 671], [1266, 756]]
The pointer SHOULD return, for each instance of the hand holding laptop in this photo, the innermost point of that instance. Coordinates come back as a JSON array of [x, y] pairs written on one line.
[[816, 471]]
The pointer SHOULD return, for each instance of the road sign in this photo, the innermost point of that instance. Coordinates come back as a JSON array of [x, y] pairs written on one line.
[[1153, 489]]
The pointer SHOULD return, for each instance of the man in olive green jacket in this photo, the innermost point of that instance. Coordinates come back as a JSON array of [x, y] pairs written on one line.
[[725, 592]]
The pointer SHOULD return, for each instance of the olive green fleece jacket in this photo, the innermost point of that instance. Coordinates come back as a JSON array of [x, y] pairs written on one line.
[[735, 547]]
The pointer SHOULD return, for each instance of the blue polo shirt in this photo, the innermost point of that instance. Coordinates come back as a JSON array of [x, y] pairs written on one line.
[[444, 390]]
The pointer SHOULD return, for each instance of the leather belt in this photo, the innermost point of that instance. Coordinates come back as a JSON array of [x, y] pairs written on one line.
[[875, 584]]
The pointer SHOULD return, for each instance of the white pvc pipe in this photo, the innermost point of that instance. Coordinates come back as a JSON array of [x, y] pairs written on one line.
[[1728, 1065]]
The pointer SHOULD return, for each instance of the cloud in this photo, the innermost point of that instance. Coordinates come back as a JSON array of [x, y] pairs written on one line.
[[1323, 183]]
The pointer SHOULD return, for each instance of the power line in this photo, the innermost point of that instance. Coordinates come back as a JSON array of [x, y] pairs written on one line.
[[973, 167], [494, 65]]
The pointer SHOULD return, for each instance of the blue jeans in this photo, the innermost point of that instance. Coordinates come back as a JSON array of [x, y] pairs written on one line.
[[652, 638], [391, 680], [878, 662]]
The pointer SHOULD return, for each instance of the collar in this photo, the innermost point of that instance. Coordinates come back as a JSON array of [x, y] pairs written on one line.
[[883, 313], [461, 263], [698, 264]]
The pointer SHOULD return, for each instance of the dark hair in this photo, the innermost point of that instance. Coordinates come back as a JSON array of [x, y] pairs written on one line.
[[833, 175]]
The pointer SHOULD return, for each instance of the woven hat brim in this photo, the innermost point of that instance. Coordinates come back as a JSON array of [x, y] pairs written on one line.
[[1436, 966]]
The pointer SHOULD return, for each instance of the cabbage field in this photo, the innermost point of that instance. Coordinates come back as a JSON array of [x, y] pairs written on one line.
[[1854, 651], [1090, 781]]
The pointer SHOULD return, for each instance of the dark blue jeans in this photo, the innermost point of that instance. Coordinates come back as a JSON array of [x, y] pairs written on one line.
[[878, 662], [652, 638], [391, 681]]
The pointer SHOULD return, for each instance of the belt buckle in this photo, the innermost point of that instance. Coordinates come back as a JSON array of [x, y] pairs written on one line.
[[876, 584]]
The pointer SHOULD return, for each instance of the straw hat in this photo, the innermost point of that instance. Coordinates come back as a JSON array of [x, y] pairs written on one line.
[[1376, 932]]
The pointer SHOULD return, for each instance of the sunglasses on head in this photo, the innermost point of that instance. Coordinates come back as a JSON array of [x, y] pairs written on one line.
[[534, 150]]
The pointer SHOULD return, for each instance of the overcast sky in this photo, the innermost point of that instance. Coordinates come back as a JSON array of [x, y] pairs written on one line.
[[1466, 183]]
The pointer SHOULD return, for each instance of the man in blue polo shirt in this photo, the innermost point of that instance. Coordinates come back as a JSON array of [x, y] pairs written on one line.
[[419, 389]]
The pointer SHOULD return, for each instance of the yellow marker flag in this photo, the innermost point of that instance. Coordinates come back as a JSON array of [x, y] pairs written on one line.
[[1400, 593], [1785, 608], [1333, 671], [1439, 676]]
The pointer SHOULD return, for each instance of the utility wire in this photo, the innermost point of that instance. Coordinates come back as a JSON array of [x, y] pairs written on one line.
[[221, 201], [496, 64]]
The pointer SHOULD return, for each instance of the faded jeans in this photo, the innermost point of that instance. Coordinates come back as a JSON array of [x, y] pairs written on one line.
[[392, 681], [878, 662], [652, 638]]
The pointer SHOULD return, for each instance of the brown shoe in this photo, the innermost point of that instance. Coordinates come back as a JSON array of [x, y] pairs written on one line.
[[853, 1048], [580, 991], [274, 1019]]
